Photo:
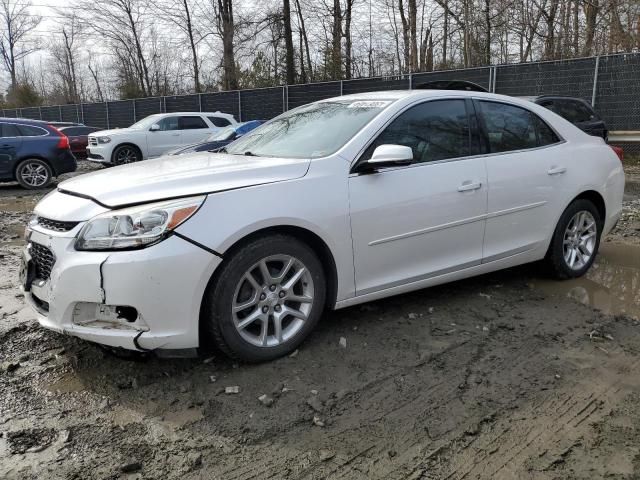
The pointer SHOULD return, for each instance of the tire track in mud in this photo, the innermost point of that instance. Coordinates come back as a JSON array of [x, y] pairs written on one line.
[[545, 431]]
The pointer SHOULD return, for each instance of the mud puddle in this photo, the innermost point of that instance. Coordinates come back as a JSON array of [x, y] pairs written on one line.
[[23, 204], [612, 285]]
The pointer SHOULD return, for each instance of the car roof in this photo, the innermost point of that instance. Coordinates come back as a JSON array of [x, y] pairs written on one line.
[[26, 121]]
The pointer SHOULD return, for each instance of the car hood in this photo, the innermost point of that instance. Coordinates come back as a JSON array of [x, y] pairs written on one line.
[[114, 131], [192, 174]]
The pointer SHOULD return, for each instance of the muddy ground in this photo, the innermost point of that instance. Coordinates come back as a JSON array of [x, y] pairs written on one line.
[[508, 375]]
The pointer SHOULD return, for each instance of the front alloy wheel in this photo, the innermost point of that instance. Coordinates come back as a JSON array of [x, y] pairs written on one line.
[[265, 299], [273, 300], [126, 154]]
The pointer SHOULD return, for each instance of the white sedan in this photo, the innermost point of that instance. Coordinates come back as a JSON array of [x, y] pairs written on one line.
[[154, 135], [330, 205]]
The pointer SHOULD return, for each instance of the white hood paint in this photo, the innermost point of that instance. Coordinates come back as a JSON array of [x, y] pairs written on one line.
[[178, 176]]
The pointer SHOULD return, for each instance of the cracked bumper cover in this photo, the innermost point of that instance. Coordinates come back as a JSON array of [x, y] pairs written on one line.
[[165, 283]]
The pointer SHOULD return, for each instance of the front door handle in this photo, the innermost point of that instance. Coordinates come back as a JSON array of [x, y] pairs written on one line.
[[556, 170], [468, 186]]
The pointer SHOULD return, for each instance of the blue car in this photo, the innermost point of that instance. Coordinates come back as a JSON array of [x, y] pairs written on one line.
[[219, 139], [32, 152]]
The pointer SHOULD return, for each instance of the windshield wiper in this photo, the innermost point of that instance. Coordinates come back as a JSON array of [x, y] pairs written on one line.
[[249, 154]]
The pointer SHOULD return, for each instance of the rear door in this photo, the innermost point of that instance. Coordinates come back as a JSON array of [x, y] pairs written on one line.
[[527, 175], [193, 129], [10, 142]]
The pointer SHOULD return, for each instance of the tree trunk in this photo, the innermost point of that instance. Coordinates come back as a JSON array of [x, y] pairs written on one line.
[[226, 22], [591, 9], [336, 38], [303, 33], [288, 42], [347, 39], [194, 50]]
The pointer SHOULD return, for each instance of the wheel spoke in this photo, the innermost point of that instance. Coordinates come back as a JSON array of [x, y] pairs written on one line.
[[251, 279], [299, 298], [572, 259], [266, 275], [295, 278], [238, 307], [284, 271], [277, 327], [264, 330], [294, 313], [244, 323]]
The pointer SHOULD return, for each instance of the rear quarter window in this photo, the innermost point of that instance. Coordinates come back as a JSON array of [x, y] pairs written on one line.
[[219, 121]]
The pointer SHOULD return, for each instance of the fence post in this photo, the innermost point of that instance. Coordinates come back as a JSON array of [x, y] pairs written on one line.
[[239, 106], [285, 91], [106, 108], [200, 101], [495, 75], [160, 99], [410, 81], [60, 112], [135, 117], [341, 87], [39, 111], [595, 81], [490, 77]]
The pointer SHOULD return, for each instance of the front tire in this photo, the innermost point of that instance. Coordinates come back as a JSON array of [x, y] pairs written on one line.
[[575, 241], [124, 154], [34, 174], [265, 300]]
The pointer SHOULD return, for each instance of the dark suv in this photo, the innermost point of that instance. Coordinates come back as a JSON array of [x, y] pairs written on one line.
[[32, 152], [576, 110]]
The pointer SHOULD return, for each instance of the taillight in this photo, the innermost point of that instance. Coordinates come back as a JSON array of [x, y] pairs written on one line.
[[63, 143], [619, 152]]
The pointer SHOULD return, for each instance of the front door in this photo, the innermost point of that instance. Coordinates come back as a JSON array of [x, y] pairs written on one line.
[[423, 220], [166, 138]]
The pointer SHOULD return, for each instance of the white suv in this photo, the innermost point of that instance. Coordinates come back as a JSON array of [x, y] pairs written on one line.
[[154, 135]]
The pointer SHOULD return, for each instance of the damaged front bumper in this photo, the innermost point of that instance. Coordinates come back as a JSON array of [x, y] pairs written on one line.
[[138, 300]]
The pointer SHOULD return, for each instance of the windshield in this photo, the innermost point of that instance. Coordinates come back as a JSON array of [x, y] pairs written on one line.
[[224, 134], [311, 131], [145, 122]]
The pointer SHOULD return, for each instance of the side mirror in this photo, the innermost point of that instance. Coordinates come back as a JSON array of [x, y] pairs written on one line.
[[154, 128], [385, 156]]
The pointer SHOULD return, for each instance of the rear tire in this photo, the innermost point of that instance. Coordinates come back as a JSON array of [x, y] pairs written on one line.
[[265, 300], [575, 241], [124, 154], [34, 174]]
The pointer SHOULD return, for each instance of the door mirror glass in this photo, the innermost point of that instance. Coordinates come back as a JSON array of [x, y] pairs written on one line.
[[385, 156], [154, 128]]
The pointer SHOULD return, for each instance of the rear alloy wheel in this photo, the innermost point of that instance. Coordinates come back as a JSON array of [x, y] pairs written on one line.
[[267, 298], [33, 174], [126, 154], [576, 240]]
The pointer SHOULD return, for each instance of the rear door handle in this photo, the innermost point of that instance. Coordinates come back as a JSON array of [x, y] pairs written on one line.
[[556, 170], [467, 186]]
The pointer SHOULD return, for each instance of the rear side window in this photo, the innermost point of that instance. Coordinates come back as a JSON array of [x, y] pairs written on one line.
[[192, 123], [219, 121], [436, 130], [508, 127], [546, 136], [9, 130], [31, 131]]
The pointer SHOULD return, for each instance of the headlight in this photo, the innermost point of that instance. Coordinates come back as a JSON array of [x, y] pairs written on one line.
[[103, 139], [136, 227]]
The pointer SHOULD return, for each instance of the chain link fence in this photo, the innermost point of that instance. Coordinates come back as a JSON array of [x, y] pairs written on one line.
[[610, 83]]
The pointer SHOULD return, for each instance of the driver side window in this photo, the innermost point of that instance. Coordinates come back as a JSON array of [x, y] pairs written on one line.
[[435, 130], [169, 123]]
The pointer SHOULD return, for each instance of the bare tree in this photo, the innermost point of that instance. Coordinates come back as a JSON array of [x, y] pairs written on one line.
[[17, 23]]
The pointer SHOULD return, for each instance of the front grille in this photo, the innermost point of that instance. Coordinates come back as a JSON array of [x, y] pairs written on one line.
[[93, 141], [43, 260], [56, 225]]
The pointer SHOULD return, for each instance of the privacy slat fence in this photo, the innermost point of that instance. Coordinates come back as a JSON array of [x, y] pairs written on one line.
[[611, 83]]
